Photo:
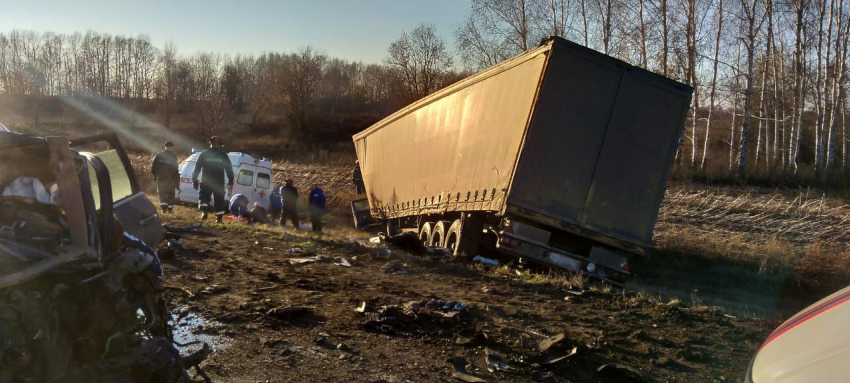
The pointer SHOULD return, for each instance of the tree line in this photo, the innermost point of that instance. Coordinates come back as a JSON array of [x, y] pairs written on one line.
[[769, 76], [303, 91]]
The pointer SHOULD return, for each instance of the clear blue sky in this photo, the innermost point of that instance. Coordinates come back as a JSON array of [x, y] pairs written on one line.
[[352, 29]]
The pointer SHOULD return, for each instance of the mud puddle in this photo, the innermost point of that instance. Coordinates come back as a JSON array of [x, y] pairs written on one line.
[[192, 330]]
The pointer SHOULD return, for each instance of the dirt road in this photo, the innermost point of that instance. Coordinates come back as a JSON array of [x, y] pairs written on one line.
[[276, 322]]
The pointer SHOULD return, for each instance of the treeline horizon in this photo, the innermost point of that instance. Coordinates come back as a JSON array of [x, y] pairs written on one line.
[[769, 76]]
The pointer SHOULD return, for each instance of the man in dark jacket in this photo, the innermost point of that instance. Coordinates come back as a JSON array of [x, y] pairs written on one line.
[[317, 207], [357, 177], [289, 197], [214, 163], [164, 170], [275, 204]]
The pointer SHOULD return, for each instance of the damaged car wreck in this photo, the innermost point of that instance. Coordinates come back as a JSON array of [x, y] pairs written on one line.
[[81, 295]]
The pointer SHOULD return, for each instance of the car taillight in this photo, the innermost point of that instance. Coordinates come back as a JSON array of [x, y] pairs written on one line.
[[624, 265]]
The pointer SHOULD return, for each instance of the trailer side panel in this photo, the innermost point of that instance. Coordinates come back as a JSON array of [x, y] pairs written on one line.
[[455, 153]]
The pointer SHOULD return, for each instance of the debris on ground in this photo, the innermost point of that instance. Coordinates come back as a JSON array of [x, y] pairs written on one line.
[[403, 336], [319, 259], [496, 362], [461, 372], [289, 313], [294, 250], [392, 267], [486, 261], [626, 373], [176, 245], [182, 229]]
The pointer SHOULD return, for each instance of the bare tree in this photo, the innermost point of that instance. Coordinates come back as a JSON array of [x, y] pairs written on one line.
[[752, 26], [421, 59], [713, 92]]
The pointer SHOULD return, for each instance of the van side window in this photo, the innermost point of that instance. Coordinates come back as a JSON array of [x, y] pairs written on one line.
[[263, 181], [245, 177]]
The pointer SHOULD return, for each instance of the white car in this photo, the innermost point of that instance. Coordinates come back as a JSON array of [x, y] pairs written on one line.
[[812, 346], [254, 178]]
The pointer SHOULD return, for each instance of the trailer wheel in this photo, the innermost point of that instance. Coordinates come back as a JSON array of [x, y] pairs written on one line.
[[438, 239], [425, 234], [453, 236]]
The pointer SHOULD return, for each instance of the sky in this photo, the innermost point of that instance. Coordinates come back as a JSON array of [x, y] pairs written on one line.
[[358, 30]]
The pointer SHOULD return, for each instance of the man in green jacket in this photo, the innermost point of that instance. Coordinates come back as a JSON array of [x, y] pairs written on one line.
[[164, 170], [214, 163]]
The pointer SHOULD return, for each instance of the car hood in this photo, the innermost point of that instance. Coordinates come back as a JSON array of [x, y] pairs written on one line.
[[812, 346]]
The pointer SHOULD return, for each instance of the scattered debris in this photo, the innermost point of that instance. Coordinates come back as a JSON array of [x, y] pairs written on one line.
[[214, 289], [391, 267], [289, 313], [183, 229], [460, 365], [362, 308], [555, 360], [268, 248], [294, 250], [496, 362], [375, 240], [318, 259], [176, 245], [486, 261], [623, 372], [469, 337], [548, 343], [408, 241]]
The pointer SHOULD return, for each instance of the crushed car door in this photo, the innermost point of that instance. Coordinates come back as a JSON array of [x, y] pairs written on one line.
[[130, 205]]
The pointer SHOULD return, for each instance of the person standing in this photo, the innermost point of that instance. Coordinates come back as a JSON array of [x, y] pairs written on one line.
[[164, 170], [275, 204], [289, 198], [357, 177], [215, 164], [318, 207]]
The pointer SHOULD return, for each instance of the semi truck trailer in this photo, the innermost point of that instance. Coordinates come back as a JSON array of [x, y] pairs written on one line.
[[559, 155]]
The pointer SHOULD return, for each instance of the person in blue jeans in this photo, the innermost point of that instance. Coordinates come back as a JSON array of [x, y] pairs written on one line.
[[318, 207]]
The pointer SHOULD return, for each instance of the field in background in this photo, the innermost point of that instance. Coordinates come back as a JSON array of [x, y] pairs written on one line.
[[760, 251]]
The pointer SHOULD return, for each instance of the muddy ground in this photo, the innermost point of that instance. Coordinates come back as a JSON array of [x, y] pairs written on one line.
[[276, 322]]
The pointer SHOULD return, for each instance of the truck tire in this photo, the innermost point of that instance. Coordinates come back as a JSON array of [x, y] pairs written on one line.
[[438, 238], [425, 234], [453, 236]]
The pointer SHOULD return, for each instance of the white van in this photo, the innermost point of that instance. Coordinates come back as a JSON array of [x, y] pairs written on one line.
[[254, 178]]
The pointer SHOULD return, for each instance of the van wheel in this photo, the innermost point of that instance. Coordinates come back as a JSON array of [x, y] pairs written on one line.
[[453, 236], [425, 234], [438, 239]]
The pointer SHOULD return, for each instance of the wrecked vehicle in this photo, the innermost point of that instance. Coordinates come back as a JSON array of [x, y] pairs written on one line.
[[80, 289], [559, 155]]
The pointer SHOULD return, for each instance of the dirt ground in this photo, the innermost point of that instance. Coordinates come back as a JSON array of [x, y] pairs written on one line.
[[277, 322]]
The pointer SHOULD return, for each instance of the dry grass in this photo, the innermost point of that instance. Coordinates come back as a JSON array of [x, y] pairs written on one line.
[[769, 252], [798, 216]]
